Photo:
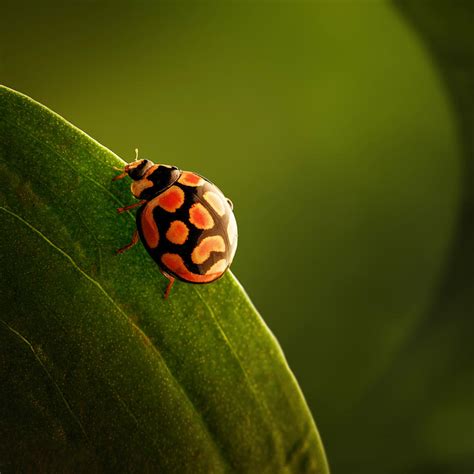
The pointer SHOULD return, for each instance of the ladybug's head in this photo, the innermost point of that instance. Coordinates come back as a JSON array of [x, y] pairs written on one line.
[[137, 169], [149, 179]]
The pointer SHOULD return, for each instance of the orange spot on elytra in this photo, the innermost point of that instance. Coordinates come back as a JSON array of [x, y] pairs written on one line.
[[202, 252], [149, 228], [232, 229], [190, 179], [171, 199], [218, 268], [200, 217], [215, 201], [177, 233], [176, 265]]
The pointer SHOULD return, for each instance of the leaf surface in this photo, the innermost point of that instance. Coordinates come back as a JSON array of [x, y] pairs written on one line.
[[98, 371]]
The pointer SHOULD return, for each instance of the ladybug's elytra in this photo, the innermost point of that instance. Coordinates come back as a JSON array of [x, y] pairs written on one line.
[[185, 222]]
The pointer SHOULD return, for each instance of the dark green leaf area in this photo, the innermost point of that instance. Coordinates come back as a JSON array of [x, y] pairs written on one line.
[[99, 373]]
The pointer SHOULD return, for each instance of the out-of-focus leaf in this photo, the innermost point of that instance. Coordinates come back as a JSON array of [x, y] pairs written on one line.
[[98, 372], [419, 415]]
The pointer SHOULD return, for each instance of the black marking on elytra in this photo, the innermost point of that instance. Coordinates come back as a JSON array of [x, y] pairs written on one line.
[[164, 218]]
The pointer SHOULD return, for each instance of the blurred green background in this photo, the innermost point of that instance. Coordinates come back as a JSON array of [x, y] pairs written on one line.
[[342, 133]]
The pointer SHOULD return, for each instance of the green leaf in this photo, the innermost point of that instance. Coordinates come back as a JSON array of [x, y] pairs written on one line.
[[422, 406], [98, 372]]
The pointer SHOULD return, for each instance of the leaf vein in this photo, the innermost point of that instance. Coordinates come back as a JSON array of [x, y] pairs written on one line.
[[66, 403], [138, 329], [253, 388]]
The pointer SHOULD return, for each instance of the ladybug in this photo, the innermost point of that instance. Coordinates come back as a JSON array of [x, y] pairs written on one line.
[[184, 221]]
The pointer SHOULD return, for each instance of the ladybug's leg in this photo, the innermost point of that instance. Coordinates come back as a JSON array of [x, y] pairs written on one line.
[[131, 244], [120, 176], [132, 206], [171, 280]]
